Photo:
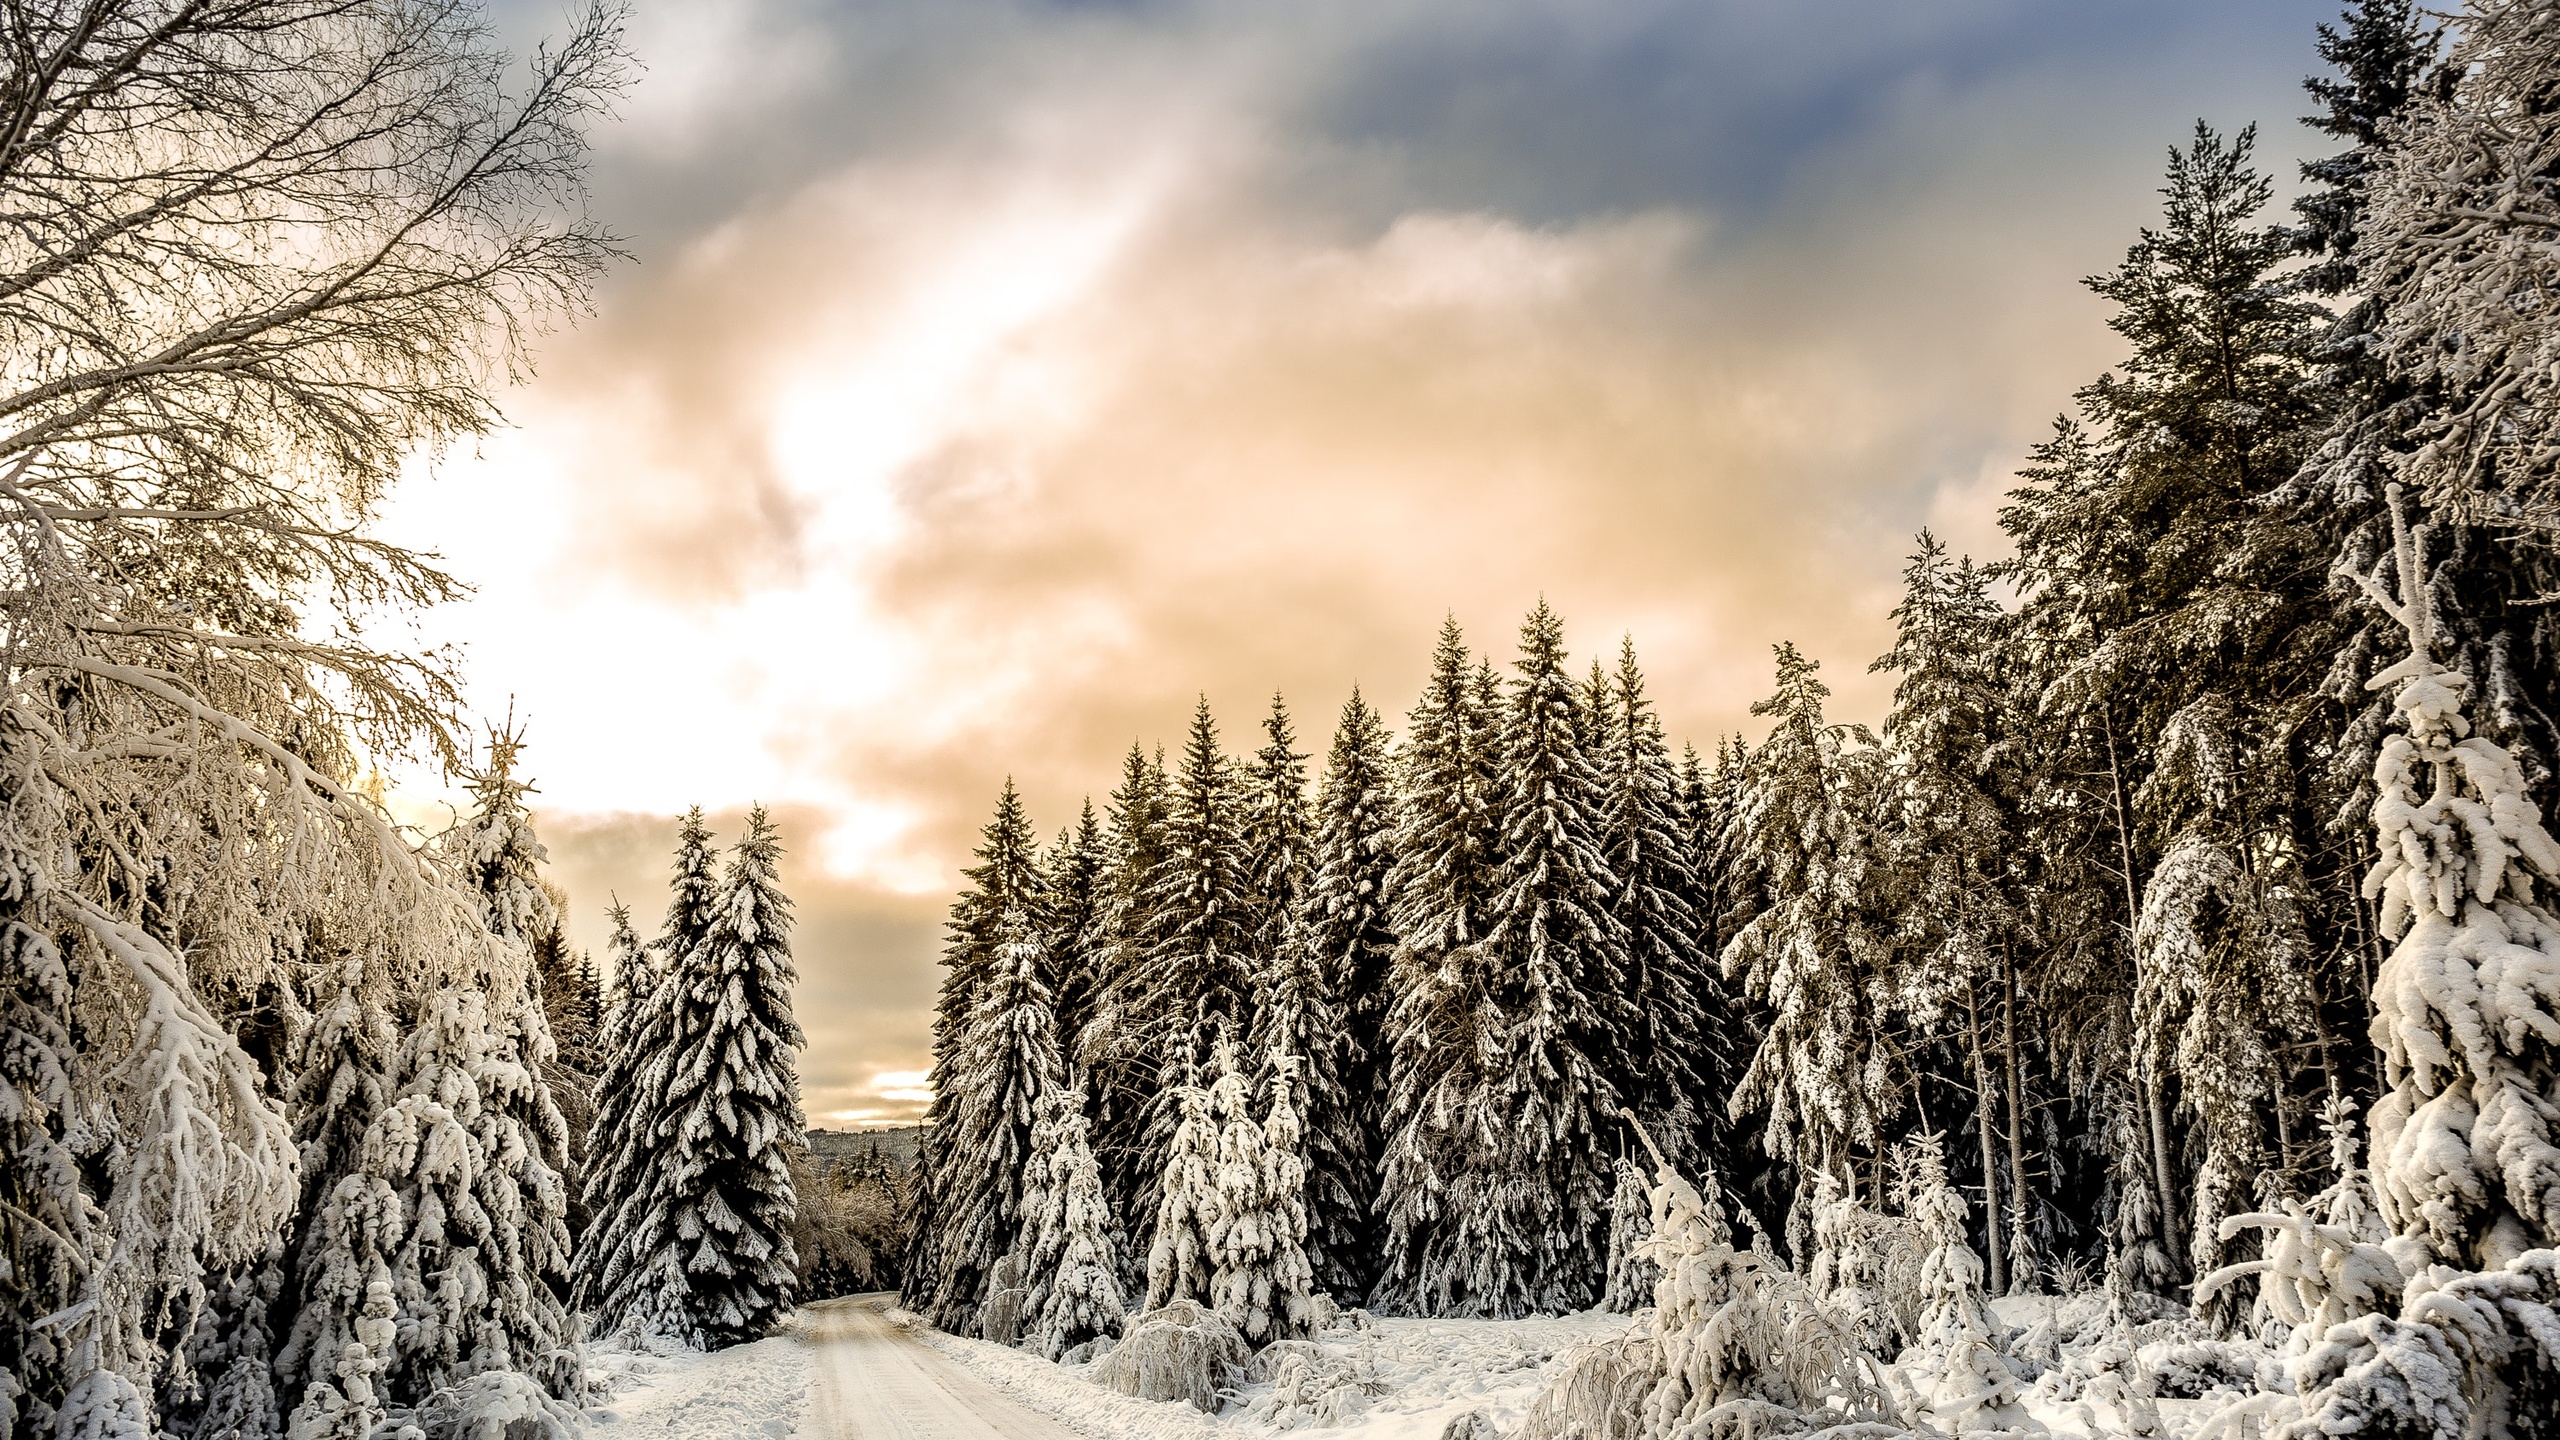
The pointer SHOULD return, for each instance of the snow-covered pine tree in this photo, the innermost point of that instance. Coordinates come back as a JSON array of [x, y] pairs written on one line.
[[1113, 1046], [42, 1204], [1003, 1061], [1297, 1026], [2381, 58], [2467, 1153], [732, 1103], [1440, 887], [1801, 842], [1076, 877], [2465, 1150], [1496, 1183], [1276, 828], [1681, 1055], [624, 1039], [2174, 633], [626, 1260], [345, 1071], [1196, 981], [442, 1217], [1953, 834], [1075, 1258], [1005, 882], [1259, 1277], [1297, 1037], [2215, 943], [499, 858], [1443, 844], [1962, 1381], [496, 850], [1344, 927], [1179, 1264]]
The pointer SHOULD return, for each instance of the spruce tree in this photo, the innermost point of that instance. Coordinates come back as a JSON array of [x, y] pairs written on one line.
[[1073, 920], [733, 1107], [1113, 1045], [1259, 1276], [1344, 928], [499, 857], [1802, 845], [1198, 978], [1006, 881], [1298, 1040], [1681, 1052], [1075, 1255], [1440, 887], [1441, 882], [1180, 1262], [1196, 982], [2175, 630], [1494, 1183], [1276, 829], [618, 1152], [2381, 59], [629, 1263], [1952, 835], [427, 1268], [1004, 1060], [1560, 962], [1632, 1276]]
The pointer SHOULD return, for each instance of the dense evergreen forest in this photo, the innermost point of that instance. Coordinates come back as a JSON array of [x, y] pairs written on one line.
[[2148, 900]]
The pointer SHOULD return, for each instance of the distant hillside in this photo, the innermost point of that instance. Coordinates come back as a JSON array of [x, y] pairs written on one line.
[[901, 1143]]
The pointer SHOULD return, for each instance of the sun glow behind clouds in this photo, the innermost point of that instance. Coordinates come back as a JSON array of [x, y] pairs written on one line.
[[744, 688]]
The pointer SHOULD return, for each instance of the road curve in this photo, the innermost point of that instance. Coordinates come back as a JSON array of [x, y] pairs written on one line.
[[877, 1382]]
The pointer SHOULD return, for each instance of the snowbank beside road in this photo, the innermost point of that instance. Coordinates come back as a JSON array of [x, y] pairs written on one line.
[[654, 1390], [1396, 1380]]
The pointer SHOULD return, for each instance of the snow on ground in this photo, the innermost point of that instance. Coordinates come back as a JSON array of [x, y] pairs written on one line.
[[654, 1390], [1394, 1380]]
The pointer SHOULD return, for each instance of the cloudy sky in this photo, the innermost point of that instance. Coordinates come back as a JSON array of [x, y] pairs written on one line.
[[995, 378]]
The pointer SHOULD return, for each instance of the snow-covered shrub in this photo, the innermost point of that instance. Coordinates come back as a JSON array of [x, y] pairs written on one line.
[[1001, 1314], [1311, 1386], [2470, 1354], [1736, 1344], [1601, 1394], [1631, 1275], [496, 1405], [2195, 1363], [1866, 1266], [1958, 1377], [1179, 1351]]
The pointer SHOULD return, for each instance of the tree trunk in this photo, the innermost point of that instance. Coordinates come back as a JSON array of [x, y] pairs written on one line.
[[2170, 1226], [2284, 1126], [2017, 1108], [1984, 1121], [2162, 1170]]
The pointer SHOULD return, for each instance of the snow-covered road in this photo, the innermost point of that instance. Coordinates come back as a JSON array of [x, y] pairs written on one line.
[[877, 1382]]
